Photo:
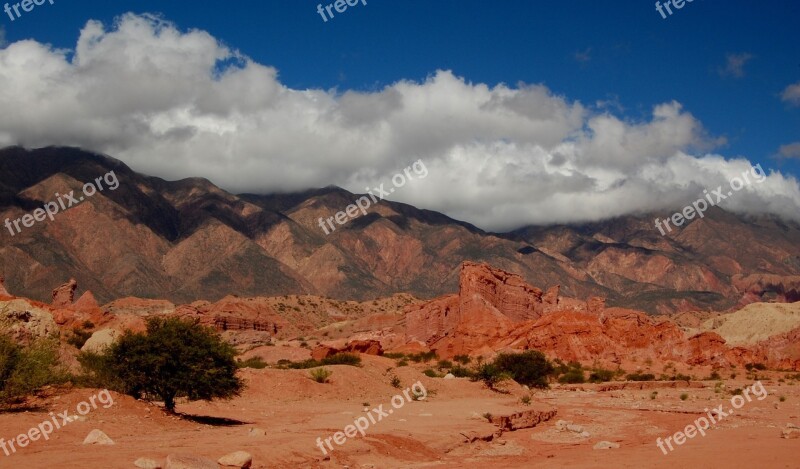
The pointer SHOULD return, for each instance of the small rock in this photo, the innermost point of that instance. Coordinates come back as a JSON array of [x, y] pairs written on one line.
[[575, 428], [561, 425], [257, 432], [585, 434], [792, 425], [96, 437], [239, 459], [449, 376], [188, 461], [144, 463], [606, 445], [790, 433]]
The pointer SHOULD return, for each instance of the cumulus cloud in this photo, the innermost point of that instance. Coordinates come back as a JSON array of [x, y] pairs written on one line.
[[180, 103], [734, 66], [792, 94]]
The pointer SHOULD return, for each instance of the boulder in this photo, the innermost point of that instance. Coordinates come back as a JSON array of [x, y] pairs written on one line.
[[100, 340], [144, 463], [97, 437], [24, 322], [238, 459]]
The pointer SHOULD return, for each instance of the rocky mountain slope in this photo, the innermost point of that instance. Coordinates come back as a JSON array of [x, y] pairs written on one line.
[[187, 240]]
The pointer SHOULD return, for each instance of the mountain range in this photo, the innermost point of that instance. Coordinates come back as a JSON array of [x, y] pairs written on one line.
[[189, 239]]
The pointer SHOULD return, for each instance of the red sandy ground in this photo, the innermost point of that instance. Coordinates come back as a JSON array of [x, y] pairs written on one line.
[[294, 411]]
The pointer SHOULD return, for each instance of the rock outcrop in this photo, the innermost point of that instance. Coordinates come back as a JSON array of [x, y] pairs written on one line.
[[64, 295], [3, 291], [26, 321]]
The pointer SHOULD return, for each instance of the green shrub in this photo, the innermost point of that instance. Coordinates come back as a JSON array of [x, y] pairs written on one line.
[[25, 370], [394, 356], [175, 358], [463, 359], [737, 392], [252, 362], [525, 400], [444, 364], [430, 373], [530, 368], [601, 375], [490, 374], [782, 398], [423, 357], [78, 337], [396, 383], [461, 372], [572, 377], [641, 377], [402, 363], [320, 375], [714, 376], [352, 359], [684, 396], [653, 394]]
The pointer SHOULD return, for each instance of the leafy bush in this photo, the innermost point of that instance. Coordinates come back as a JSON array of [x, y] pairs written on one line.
[[572, 376], [525, 400], [252, 362], [684, 396], [423, 357], [320, 375], [444, 364], [430, 373], [25, 370], [394, 356], [641, 377], [653, 394], [490, 374], [601, 375], [402, 363], [463, 359], [530, 368], [352, 359], [714, 376], [78, 337], [396, 383], [174, 358], [461, 372]]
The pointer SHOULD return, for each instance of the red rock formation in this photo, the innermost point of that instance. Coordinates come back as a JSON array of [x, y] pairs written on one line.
[[367, 347], [491, 313], [3, 291], [551, 296], [64, 295]]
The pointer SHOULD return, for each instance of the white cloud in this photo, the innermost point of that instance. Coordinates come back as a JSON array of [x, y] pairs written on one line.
[[178, 104], [734, 65], [792, 94]]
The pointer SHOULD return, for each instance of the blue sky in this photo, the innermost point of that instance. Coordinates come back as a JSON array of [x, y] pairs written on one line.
[[621, 57]]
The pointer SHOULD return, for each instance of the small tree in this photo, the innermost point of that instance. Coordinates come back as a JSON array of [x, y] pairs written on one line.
[[175, 358], [25, 370], [530, 368]]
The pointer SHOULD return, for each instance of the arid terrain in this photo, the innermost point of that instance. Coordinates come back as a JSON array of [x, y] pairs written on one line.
[[699, 365]]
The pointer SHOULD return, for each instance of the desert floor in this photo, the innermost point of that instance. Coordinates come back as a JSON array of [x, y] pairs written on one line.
[[282, 413]]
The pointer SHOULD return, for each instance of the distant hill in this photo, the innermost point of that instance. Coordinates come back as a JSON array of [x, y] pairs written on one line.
[[189, 239]]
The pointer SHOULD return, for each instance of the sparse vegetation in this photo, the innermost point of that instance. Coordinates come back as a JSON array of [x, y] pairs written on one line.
[[252, 362], [525, 400], [640, 377], [461, 372], [782, 398], [396, 383], [601, 375], [430, 373], [463, 359], [684, 396], [653, 395], [488, 416], [320, 375]]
